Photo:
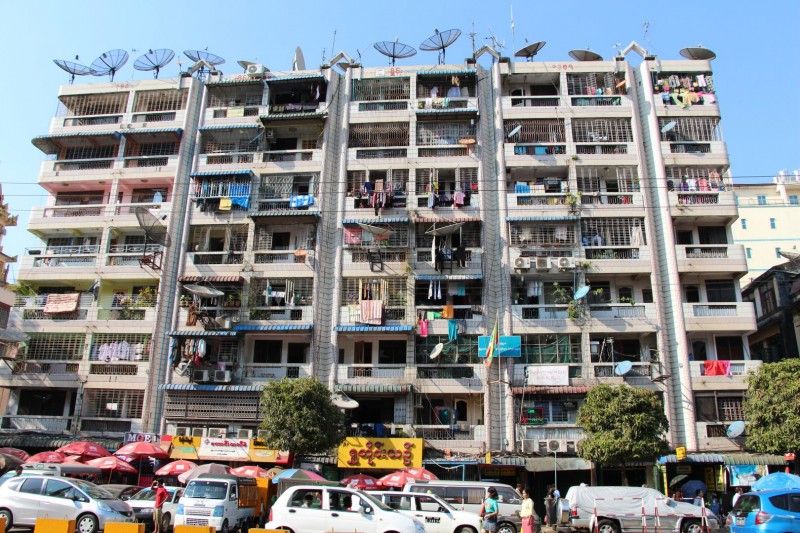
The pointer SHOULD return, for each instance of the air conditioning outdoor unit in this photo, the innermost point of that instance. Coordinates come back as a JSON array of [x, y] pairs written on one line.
[[200, 375], [556, 445], [542, 263], [244, 434], [256, 70], [563, 262], [217, 433], [183, 431], [522, 263], [222, 376], [199, 432]]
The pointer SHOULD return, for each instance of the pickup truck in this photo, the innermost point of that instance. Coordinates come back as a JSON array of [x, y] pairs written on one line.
[[223, 501]]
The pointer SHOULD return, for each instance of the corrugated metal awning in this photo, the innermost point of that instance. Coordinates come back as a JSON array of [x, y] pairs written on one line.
[[292, 77], [455, 110], [451, 277], [754, 459], [372, 329], [693, 458], [211, 388], [395, 388], [285, 116], [49, 143], [445, 220], [446, 72], [238, 80], [252, 125], [37, 440], [176, 131], [273, 327], [560, 218], [199, 333], [373, 221], [549, 390], [284, 213], [240, 172], [211, 279], [549, 464]]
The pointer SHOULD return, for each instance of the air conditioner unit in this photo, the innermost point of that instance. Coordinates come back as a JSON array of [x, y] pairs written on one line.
[[572, 446], [564, 262], [183, 431], [269, 133], [560, 446], [199, 432], [255, 70], [522, 263], [244, 434], [542, 263], [217, 433], [222, 376], [200, 375]]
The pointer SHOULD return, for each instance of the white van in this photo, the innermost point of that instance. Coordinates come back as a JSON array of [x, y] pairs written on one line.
[[469, 496], [437, 515]]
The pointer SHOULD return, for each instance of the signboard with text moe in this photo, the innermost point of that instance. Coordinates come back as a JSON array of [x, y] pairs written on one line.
[[365, 452], [142, 437], [223, 449], [508, 346]]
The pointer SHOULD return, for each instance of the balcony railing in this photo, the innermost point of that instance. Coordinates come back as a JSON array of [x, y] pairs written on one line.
[[446, 372], [275, 372], [371, 372], [643, 370], [535, 101], [146, 162], [54, 368], [611, 252], [288, 256], [606, 311], [735, 368], [229, 158], [217, 258], [105, 425], [98, 120], [278, 313], [66, 260], [58, 424], [279, 156], [80, 211], [82, 164], [444, 432]]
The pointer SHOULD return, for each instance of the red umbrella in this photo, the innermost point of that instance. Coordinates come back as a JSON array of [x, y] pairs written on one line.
[[250, 471], [137, 450], [361, 482], [16, 452], [396, 479], [47, 457], [421, 474], [73, 459], [88, 450], [113, 464], [175, 467]]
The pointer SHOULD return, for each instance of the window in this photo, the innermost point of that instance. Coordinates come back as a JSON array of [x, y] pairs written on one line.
[[720, 290], [548, 349], [362, 353], [730, 349], [778, 253], [32, 486], [793, 199], [768, 300], [647, 296], [58, 488], [392, 352], [692, 294], [267, 352], [744, 223], [772, 223], [719, 407], [762, 200], [749, 253], [296, 353]]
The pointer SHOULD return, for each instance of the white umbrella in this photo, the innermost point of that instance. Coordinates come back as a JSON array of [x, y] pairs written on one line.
[[203, 292], [376, 230], [448, 229]]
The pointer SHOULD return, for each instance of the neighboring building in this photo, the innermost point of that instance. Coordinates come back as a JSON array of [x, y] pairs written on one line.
[[366, 228], [767, 225], [6, 296]]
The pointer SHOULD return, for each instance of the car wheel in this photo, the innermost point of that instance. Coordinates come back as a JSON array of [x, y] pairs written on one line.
[[87, 523], [466, 529], [692, 526], [506, 527], [5, 513], [607, 526], [165, 526], [224, 528]]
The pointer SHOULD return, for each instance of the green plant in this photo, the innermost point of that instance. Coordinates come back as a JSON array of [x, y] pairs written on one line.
[[22, 288], [626, 300], [575, 308]]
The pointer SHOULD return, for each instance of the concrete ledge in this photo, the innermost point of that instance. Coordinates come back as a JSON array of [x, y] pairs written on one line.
[[53, 525], [123, 527]]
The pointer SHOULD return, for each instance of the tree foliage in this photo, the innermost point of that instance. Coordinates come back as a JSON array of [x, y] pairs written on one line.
[[622, 424], [300, 417], [772, 407]]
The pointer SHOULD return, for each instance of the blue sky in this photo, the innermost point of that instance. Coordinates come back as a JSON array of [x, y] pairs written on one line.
[[757, 70]]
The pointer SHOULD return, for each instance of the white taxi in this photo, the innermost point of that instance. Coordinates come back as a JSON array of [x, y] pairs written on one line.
[[437, 515]]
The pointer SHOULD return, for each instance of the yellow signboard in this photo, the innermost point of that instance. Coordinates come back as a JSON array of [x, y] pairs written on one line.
[[364, 452], [680, 453]]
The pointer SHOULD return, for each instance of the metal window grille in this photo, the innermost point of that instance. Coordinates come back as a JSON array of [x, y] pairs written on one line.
[[80, 198], [536, 131], [378, 135], [134, 149], [183, 406], [443, 133], [602, 130], [90, 152], [472, 289], [392, 291], [595, 179], [470, 235], [276, 186], [371, 90], [113, 403], [141, 196], [398, 239], [553, 410], [94, 104], [241, 96], [262, 288], [590, 82], [550, 348], [4, 314], [613, 231], [712, 174], [464, 350], [148, 101], [216, 145], [231, 238], [700, 129], [467, 178], [138, 345], [531, 235], [56, 346], [304, 235], [466, 84], [730, 409]]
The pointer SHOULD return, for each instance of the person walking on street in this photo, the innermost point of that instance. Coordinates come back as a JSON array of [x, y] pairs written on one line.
[[739, 492], [526, 512], [161, 497], [489, 511]]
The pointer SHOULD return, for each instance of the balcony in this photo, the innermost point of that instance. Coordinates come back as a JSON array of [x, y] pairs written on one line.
[[639, 318], [542, 319], [695, 152], [618, 259], [712, 258], [288, 260], [51, 424], [712, 437], [372, 374], [526, 106], [129, 255], [33, 308], [734, 317], [470, 265], [151, 164], [393, 315], [712, 203], [461, 379], [281, 314], [69, 262], [470, 316], [729, 371], [104, 426], [459, 438], [266, 372], [638, 370], [554, 153]]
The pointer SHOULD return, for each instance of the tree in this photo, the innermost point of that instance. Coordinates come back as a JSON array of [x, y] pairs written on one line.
[[300, 417], [772, 407], [622, 424]]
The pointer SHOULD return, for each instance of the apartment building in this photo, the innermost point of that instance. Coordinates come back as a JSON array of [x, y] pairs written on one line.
[[367, 226], [6, 296], [767, 213]]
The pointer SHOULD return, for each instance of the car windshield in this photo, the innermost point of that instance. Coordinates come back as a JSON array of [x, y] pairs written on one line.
[[98, 493], [211, 490], [377, 503], [146, 495]]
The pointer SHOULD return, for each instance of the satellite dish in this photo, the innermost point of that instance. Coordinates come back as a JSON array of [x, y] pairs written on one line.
[[623, 367], [530, 50], [244, 64], [585, 55], [154, 60], [343, 401], [298, 61], [698, 52], [791, 256], [736, 429], [155, 232], [668, 126], [13, 335], [109, 63], [581, 292], [437, 350], [514, 131], [202, 55], [395, 50], [76, 69], [440, 41]]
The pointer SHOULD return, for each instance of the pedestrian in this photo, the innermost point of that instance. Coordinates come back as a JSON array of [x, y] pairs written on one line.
[[551, 507], [698, 498], [739, 492], [715, 506], [489, 511], [677, 495], [526, 512], [161, 497]]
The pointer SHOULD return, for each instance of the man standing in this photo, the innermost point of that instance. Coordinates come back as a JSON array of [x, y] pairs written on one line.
[[739, 492], [161, 497]]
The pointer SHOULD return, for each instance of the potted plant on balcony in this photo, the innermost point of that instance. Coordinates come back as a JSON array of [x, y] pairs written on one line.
[[185, 300], [573, 200]]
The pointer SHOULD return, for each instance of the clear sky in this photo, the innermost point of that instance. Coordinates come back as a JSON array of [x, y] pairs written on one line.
[[757, 70]]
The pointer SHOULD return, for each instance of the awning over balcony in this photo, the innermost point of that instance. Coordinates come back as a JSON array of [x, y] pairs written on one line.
[[373, 221], [253, 125], [754, 459], [553, 218], [451, 277], [548, 464], [38, 440], [449, 72], [693, 458], [449, 111], [550, 390], [210, 333], [285, 116], [292, 77], [274, 327], [372, 329], [132, 133], [212, 173], [211, 388], [284, 213], [392, 388], [211, 279], [51, 144], [424, 220]]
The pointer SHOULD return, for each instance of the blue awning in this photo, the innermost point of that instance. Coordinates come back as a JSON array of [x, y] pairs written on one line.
[[49, 143], [446, 110], [284, 213], [230, 127], [446, 72], [213, 388], [292, 77], [221, 173], [238, 79], [372, 329], [176, 131], [273, 327], [395, 388], [693, 458], [452, 277], [373, 221], [214, 333], [561, 218]]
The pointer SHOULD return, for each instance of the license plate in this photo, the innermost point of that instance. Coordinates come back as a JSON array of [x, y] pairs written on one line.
[[739, 521]]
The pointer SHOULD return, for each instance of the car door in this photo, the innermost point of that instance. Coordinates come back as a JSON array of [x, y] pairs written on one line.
[[25, 508], [349, 512], [61, 500], [434, 515], [304, 511]]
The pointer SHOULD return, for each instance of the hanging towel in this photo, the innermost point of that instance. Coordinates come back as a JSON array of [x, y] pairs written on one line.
[[372, 312], [448, 311], [430, 290], [438, 290], [225, 203], [61, 303], [560, 233], [452, 330], [423, 327], [717, 368]]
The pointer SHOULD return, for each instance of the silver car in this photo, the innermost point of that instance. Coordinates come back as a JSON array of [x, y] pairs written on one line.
[[24, 499]]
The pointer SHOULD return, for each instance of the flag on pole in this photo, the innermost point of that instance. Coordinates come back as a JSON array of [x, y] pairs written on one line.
[[493, 340]]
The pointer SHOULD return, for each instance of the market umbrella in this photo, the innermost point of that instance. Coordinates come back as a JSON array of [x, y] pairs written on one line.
[[690, 488], [250, 471], [74, 459], [777, 481], [47, 457], [138, 450], [677, 479], [361, 482], [208, 468], [112, 464], [421, 474], [296, 473], [16, 452], [175, 468], [274, 471], [87, 450], [9, 462], [396, 479]]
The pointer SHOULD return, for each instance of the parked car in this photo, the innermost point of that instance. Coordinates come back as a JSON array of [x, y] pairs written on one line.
[[768, 511], [143, 504], [24, 499], [437, 515], [123, 492], [321, 508]]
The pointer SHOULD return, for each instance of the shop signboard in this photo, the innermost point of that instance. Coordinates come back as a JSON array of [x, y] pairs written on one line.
[[223, 449], [390, 454]]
